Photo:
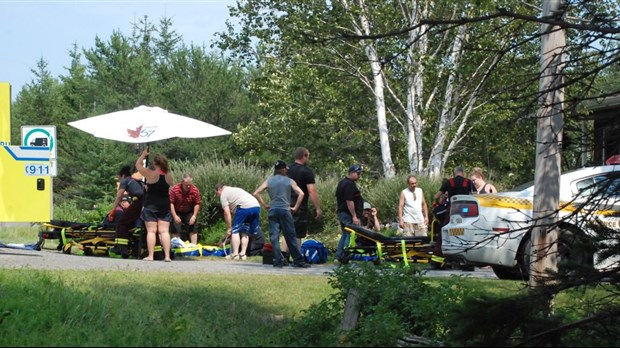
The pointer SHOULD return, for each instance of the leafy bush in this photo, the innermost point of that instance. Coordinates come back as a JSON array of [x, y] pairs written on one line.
[[394, 302], [71, 211]]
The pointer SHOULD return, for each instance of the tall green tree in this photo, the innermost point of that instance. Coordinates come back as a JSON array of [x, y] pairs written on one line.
[[426, 82], [151, 66]]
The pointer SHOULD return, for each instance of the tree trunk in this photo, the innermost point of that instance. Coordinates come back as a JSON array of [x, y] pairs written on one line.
[[438, 156], [548, 150], [418, 47], [378, 88]]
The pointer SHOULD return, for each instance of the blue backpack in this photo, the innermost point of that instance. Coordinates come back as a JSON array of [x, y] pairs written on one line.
[[314, 251]]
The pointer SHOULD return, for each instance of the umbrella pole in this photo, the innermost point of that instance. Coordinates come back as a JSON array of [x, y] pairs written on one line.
[[146, 159]]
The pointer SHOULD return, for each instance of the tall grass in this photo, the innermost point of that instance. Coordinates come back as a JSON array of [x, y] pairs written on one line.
[[23, 233], [95, 308], [135, 308], [208, 171]]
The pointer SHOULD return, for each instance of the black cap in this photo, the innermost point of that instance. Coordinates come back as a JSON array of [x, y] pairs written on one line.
[[356, 168], [280, 165]]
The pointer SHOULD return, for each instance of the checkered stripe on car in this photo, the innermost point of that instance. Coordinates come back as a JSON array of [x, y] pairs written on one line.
[[495, 201]]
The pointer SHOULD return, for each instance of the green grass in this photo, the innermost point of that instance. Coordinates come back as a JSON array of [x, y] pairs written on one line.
[[136, 308], [95, 308], [22, 233]]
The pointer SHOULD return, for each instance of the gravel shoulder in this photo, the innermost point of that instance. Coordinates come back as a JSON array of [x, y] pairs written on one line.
[[51, 259]]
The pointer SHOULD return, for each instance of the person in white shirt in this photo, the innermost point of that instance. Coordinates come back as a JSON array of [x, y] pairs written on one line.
[[413, 210]]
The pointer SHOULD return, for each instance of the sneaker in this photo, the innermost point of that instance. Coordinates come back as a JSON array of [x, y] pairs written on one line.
[[244, 257], [277, 265], [232, 257], [301, 265]]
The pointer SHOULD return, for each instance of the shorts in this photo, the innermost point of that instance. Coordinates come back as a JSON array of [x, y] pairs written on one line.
[[246, 220], [415, 230], [300, 219], [149, 215], [185, 217]]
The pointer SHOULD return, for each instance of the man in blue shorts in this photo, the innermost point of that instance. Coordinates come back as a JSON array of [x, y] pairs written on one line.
[[246, 211]]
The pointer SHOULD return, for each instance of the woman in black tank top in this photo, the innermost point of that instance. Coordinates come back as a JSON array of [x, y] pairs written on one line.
[[481, 187], [156, 208]]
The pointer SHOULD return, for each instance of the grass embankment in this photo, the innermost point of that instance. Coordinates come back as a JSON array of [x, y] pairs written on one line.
[[134, 308]]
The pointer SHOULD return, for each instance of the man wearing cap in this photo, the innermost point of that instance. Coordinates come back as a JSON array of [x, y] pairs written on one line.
[[280, 215], [370, 220], [350, 205]]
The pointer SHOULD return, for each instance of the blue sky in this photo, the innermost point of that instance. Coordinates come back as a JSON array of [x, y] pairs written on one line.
[[31, 30]]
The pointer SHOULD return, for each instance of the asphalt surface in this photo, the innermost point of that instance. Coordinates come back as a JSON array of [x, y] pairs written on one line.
[[51, 259]]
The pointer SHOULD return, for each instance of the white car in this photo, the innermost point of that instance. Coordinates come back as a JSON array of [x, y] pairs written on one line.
[[494, 229]]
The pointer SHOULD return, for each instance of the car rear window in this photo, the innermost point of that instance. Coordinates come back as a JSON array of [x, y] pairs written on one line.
[[464, 208]]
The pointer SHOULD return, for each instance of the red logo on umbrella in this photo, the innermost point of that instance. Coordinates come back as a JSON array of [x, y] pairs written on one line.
[[135, 133]]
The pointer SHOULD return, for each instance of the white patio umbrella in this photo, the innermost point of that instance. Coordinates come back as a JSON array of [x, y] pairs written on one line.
[[146, 124]]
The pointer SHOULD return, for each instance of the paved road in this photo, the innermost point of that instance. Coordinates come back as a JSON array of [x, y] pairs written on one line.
[[52, 259]]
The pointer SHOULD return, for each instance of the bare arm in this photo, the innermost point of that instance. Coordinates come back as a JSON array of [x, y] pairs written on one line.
[[259, 197], [401, 204], [438, 195], [376, 225], [351, 207], [228, 220], [175, 217], [169, 179], [119, 196], [425, 209], [314, 197], [150, 175], [194, 217]]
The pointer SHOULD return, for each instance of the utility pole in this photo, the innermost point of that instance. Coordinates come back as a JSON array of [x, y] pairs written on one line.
[[548, 147]]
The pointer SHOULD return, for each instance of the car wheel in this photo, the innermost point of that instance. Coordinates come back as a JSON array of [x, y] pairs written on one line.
[[574, 248], [524, 260], [507, 273]]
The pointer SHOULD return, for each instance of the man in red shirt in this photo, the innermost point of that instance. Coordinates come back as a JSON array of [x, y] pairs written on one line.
[[185, 200]]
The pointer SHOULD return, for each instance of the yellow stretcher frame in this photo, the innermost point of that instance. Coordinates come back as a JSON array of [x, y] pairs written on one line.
[[394, 249], [85, 238]]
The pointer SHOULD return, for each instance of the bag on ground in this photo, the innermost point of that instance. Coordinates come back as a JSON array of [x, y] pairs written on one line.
[[314, 251]]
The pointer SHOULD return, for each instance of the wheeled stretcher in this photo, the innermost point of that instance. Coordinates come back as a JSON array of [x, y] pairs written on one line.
[[98, 240], [89, 238], [377, 247]]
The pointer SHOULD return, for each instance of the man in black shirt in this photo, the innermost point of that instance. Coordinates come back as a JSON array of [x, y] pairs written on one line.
[[304, 177], [350, 205]]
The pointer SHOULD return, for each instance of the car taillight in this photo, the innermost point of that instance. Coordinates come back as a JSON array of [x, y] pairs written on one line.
[[464, 209]]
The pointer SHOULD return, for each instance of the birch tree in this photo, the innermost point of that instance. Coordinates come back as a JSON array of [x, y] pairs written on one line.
[[424, 80]]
